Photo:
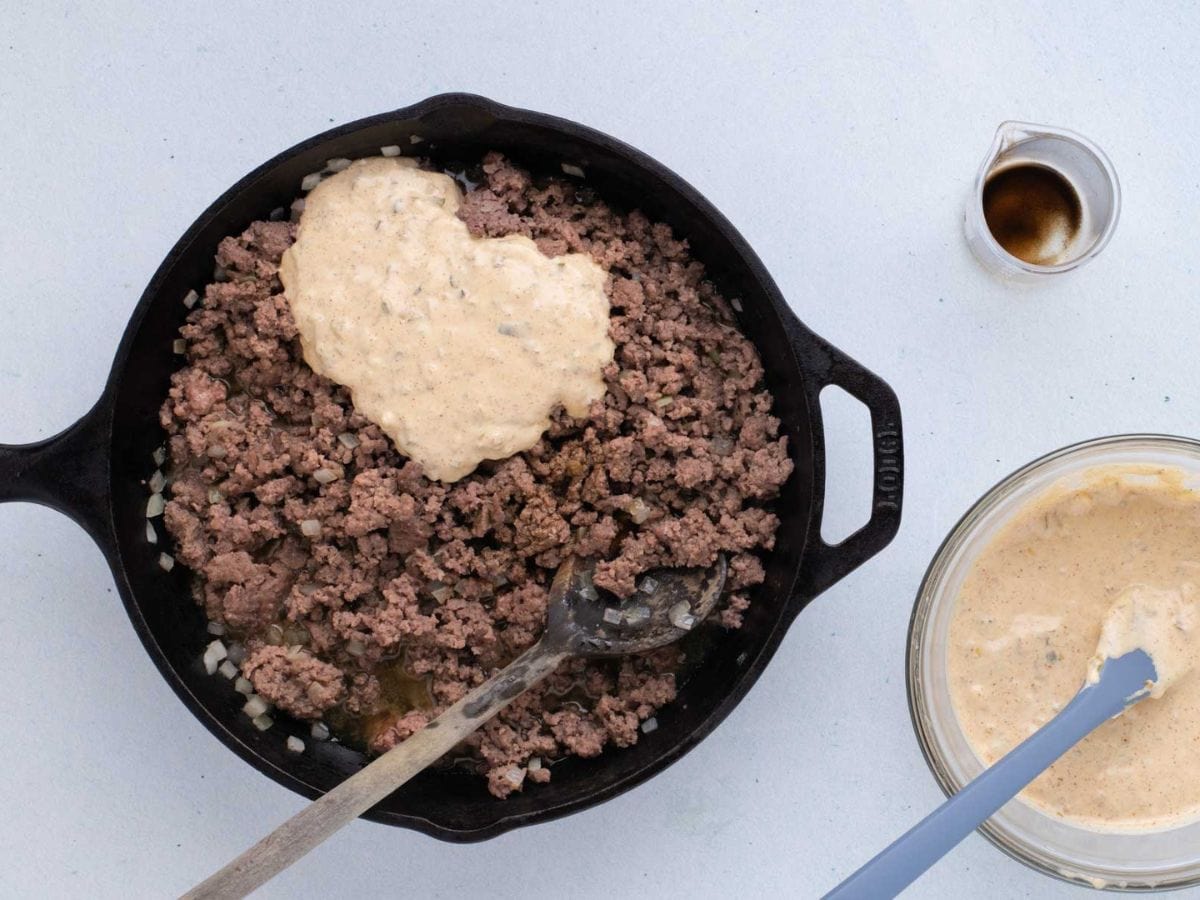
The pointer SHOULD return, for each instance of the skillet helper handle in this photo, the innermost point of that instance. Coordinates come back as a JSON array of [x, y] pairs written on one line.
[[824, 365], [358, 793], [67, 472]]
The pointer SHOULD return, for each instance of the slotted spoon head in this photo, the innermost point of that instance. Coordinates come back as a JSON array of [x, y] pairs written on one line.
[[666, 606]]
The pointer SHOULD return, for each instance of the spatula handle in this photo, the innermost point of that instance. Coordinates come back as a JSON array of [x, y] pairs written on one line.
[[354, 796], [1121, 683]]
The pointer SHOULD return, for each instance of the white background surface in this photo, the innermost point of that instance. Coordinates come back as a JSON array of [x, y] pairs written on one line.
[[840, 139]]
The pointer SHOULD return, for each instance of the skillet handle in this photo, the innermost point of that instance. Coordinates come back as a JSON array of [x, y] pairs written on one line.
[[68, 472], [823, 365]]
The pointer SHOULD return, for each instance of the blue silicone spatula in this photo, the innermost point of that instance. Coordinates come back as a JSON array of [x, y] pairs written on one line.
[[1122, 683]]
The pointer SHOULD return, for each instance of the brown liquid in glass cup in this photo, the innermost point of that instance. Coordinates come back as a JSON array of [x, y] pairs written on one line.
[[1032, 211]]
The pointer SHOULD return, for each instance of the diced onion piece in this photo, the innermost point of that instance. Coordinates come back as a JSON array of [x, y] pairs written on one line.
[[213, 654], [651, 724], [355, 647], [295, 744], [308, 588], [648, 585], [216, 628], [390, 150], [157, 482], [155, 506], [535, 763], [276, 215], [681, 615], [166, 561], [216, 451], [228, 669], [415, 139], [338, 164], [274, 635], [325, 476], [736, 304], [637, 615], [587, 588], [515, 776], [237, 653], [664, 402], [159, 456], [571, 169], [310, 181], [179, 345], [348, 440], [298, 205], [315, 691], [263, 722], [296, 635], [722, 445], [243, 686], [214, 495], [319, 731], [639, 510], [612, 615], [255, 706], [442, 593], [190, 299], [310, 527], [151, 534]]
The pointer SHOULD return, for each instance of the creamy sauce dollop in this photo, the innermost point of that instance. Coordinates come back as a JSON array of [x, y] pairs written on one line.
[[1160, 622], [1120, 543], [459, 348]]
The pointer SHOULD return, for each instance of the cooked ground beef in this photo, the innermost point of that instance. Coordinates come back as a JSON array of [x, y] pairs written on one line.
[[373, 597]]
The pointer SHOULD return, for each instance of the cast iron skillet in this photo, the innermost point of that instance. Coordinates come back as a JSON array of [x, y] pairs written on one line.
[[95, 470]]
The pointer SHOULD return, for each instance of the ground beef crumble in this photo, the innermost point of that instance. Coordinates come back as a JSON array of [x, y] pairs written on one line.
[[366, 593]]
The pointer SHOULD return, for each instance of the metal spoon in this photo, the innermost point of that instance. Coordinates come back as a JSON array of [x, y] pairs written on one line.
[[578, 623], [1123, 681]]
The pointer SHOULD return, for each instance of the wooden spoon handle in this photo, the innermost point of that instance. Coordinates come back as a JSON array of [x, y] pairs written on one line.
[[358, 793]]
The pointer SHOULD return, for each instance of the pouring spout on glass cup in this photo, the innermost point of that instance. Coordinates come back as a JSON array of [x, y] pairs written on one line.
[[1044, 202]]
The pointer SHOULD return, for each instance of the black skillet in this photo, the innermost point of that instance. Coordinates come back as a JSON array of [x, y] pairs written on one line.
[[95, 470]]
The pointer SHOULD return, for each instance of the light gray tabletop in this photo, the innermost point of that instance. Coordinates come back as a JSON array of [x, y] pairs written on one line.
[[841, 139]]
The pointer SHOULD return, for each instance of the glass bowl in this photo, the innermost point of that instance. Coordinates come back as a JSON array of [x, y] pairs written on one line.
[[1138, 861]]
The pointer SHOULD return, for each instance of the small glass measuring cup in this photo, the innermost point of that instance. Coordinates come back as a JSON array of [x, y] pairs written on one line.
[[1090, 216]]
